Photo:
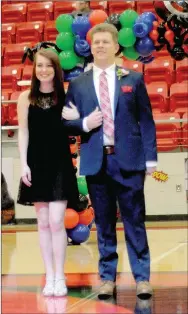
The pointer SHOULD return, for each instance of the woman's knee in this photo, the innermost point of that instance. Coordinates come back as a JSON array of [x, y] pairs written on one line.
[[42, 216], [57, 213], [43, 224], [56, 224]]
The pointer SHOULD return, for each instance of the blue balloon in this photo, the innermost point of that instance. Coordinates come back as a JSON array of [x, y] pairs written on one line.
[[140, 29], [149, 15], [79, 234], [146, 20], [81, 47], [90, 226], [72, 74], [146, 60], [81, 26], [144, 46]]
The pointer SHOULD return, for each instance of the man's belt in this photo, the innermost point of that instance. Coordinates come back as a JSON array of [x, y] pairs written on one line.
[[108, 150]]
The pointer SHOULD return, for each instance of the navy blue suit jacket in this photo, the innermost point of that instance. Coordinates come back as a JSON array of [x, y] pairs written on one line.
[[135, 135]]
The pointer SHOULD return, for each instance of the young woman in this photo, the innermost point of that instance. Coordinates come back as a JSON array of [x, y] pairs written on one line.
[[48, 178]]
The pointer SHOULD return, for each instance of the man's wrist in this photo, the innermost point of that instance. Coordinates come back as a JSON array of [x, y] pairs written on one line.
[[85, 127], [151, 163]]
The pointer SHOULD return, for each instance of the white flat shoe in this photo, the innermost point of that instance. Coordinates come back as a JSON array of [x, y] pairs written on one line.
[[60, 288], [48, 290]]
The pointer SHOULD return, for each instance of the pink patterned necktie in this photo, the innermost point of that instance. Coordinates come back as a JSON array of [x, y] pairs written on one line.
[[108, 123]]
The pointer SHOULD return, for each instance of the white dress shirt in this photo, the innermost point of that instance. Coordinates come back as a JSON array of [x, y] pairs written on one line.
[[110, 75]]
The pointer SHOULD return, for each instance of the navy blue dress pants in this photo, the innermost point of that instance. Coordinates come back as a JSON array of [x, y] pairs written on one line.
[[106, 188]]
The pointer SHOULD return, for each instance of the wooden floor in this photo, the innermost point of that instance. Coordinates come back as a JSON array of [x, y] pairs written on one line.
[[23, 274]]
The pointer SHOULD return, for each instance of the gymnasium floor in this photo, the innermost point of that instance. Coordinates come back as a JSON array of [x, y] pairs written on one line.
[[23, 274]]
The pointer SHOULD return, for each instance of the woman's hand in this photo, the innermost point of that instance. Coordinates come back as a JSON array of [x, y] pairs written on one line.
[[26, 175], [70, 113]]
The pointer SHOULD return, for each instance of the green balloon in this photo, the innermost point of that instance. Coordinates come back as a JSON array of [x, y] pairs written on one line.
[[131, 53], [81, 60], [127, 18], [65, 41], [126, 37], [68, 59], [64, 23], [82, 185]]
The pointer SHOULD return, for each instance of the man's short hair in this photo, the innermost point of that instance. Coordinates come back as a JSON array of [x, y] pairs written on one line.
[[105, 27], [88, 2]]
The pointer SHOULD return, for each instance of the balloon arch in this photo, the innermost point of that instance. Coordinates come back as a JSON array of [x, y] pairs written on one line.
[[139, 36]]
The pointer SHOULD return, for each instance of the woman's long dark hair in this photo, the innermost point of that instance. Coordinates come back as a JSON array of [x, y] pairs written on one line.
[[59, 92]]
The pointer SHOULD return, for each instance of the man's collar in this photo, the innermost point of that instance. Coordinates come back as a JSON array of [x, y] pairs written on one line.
[[109, 71]]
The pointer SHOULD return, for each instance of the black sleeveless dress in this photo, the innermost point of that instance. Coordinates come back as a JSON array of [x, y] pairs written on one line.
[[49, 158]]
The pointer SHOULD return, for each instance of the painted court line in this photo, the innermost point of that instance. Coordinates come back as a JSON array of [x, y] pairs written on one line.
[[82, 301], [154, 261], [159, 258]]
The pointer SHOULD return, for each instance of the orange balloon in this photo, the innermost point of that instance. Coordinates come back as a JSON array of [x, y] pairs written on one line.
[[154, 34], [71, 218], [97, 17], [155, 24], [92, 210], [86, 216], [88, 37], [73, 148], [74, 162]]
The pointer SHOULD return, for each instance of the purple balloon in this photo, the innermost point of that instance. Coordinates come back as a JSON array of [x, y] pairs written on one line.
[[144, 46], [146, 20], [148, 15], [72, 74], [81, 26], [140, 29], [79, 234]]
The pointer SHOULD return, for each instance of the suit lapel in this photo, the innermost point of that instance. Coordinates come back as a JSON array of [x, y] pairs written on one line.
[[117, 91], [90, 88]]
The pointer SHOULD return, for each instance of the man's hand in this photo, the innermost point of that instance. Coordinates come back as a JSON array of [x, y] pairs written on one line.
[[70, 113], [150, 170], [94, 120]]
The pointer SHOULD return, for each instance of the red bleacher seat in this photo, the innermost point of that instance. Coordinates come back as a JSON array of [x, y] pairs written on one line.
[[158, 94], [160, 70], [182, 70], [4, 108], [27, 74], [185, 131], [2, 54], [15, 1], [10, 76], [63, 7], [14, 13], [14, 53], [179, 97], [8, 33], [42, 11], [162, 53], [29, 32], [145, 6], [120, 6], [98, 5], [15, 95], [12, 109], [50, 31], [168, 134], [133, 65]]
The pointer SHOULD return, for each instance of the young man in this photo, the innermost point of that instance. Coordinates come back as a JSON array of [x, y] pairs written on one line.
[[82, 8], [118, 148]]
